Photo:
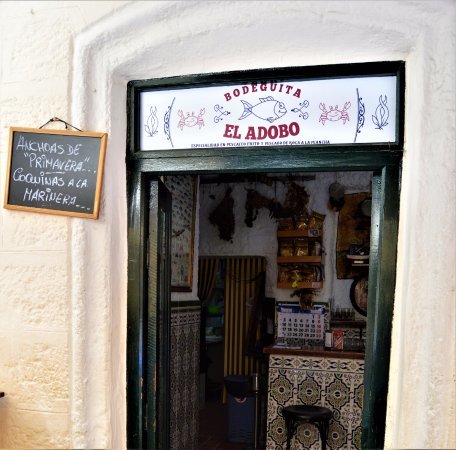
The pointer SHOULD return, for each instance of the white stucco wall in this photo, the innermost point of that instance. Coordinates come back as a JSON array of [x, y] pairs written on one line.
[[261, 238], [36, 357], [63, 281]]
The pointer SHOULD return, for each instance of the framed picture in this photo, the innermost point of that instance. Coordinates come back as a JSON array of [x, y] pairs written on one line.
[[183, 191]]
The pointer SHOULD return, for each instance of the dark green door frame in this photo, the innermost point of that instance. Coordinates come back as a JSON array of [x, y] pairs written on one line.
[[148, 312], [383, 159], [386, 167], [382, 280]]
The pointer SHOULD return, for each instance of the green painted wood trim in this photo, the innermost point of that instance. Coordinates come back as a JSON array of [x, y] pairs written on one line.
[[135, 312], [148, 313], [164, 316], [295, 151], [157, 318], [382, 278], [151, 316], [276, 160], [282, 73], [176, 305]]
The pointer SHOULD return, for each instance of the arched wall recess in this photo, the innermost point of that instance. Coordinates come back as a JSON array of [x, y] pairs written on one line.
[[136, 42]]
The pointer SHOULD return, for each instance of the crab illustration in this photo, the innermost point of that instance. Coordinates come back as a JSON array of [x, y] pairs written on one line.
[[190, 120], [334, 114]]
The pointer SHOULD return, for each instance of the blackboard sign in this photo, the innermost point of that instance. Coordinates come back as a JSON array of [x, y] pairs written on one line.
[[55, 171]]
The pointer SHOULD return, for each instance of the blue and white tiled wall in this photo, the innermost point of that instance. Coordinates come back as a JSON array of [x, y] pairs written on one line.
[[334, 383], [184, 377]]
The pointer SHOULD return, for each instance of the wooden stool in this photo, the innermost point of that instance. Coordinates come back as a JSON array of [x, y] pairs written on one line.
[[318, 415]]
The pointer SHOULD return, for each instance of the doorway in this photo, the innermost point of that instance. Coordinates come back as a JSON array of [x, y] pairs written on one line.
[[384, 213], [255, 233], [383, 159], [231, 290]]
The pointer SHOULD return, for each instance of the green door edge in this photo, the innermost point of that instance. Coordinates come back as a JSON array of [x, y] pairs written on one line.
[[385, 198], [149, 235], [382, 281]]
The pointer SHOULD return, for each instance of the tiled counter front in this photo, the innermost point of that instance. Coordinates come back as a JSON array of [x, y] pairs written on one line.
[[334, 383], [184, 377]]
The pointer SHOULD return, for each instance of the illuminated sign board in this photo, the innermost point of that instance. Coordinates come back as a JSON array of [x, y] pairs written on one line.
[[346, 110]]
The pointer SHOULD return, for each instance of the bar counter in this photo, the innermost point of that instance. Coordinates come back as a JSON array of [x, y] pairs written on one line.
[[315, 376]]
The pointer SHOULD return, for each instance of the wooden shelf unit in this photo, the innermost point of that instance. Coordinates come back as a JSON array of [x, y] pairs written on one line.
[[296, 234], [303, 285], [298, 259], [313, 238]]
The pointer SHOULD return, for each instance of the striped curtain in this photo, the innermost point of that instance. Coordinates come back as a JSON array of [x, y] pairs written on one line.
[[207, 271], [244, 274]]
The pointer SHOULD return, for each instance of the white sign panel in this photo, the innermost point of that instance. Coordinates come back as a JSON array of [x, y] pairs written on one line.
[[264, 113]]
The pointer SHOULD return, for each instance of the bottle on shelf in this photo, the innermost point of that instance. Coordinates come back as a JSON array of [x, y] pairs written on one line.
[[328, 340]]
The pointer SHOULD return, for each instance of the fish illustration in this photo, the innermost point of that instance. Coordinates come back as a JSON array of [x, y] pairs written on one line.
[[268, 109], [152, 122]]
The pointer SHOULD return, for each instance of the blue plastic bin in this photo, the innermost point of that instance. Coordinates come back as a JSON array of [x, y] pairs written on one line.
[[241, 409]]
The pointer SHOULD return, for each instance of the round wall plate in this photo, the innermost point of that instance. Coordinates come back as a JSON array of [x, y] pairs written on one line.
[[359, 294]]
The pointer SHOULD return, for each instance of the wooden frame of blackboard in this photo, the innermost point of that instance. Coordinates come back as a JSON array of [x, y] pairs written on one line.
[[95, 179]]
